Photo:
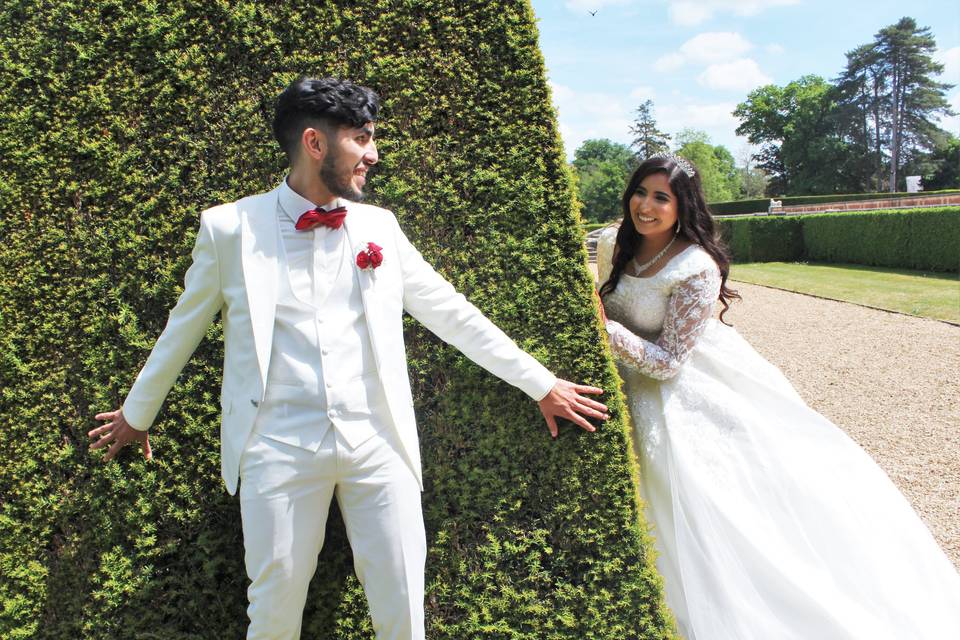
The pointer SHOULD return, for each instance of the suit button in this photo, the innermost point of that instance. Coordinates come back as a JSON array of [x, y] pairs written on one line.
[[325, 352], [332, 414], [254, 402]]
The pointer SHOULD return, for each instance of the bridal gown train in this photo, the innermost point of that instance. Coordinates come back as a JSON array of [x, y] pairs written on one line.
[[769, 521]]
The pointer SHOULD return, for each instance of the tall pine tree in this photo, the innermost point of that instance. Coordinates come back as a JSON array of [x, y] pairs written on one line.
[[648, 139], [861, 90], [905, 55]]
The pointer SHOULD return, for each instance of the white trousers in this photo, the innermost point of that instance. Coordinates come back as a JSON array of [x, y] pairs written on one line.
[[285, 495]]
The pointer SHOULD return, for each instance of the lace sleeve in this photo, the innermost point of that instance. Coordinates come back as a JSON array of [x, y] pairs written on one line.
[[605, 244], [689, 310]]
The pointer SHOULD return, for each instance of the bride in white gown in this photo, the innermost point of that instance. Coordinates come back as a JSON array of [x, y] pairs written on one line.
[[770, 522]]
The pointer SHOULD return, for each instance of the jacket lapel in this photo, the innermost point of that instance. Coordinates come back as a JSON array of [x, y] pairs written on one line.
[[366, 278], [259, 246]]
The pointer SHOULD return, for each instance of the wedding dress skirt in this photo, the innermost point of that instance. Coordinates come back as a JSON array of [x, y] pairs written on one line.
[[770, 522]]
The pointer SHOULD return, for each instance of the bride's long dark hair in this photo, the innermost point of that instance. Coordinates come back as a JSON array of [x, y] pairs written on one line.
[[696, 224]]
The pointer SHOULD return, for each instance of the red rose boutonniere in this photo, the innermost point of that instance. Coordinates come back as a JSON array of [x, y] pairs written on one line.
[[371, 257]]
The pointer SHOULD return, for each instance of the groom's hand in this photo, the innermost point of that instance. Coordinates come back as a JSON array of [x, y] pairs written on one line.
[[565, 401], [117, 433]]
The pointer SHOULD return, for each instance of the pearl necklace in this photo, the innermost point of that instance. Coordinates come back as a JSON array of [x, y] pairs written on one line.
[[646, 265]]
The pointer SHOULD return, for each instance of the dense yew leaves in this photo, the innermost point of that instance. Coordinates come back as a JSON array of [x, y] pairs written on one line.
[[119, 122]]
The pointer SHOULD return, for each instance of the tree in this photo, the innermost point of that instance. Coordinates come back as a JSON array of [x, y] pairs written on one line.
[[886, 100], [860, 92], [596, 151], [753, 180], [648, 140], [601, 187], [859, 133], [905, 54], [753, 183], [719, 176], [602, 168], [941, 168], [727, 168], [800, 148]]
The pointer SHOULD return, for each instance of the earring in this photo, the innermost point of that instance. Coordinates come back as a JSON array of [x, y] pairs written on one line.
[[677, 232]]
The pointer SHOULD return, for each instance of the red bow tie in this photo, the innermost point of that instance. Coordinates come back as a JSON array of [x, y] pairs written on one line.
[[317, 217]]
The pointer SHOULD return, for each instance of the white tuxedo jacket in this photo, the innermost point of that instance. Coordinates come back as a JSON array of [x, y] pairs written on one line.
[[234, 272]]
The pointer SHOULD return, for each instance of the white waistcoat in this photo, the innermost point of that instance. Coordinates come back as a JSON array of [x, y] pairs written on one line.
[[322, 369]]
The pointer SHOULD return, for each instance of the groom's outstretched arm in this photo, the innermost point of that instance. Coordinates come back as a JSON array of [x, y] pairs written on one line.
[[429, 298], [196, 308]]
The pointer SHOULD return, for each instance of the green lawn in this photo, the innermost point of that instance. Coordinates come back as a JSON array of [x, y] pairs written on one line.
[[919, 293]]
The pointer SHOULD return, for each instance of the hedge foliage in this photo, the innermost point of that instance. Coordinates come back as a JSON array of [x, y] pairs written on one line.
[[757, 205], [767, 239], [119, 121], [927, 239]]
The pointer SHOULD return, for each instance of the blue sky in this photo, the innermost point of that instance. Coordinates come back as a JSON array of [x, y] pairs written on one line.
[[696, 59]]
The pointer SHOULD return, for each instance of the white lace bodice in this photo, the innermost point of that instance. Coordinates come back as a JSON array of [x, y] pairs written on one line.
[[655, 322]]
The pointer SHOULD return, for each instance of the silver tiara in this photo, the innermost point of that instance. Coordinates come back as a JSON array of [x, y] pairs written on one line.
[[683, 163]]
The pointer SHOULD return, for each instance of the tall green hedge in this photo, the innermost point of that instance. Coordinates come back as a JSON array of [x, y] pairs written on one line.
[[904, 238], [735, 207], [119, 121], [768, 239]]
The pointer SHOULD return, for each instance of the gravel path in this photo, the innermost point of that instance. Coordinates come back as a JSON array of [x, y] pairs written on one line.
[[890, 381]]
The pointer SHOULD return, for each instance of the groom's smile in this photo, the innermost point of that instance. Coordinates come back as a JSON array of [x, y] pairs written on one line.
[[352, 151]]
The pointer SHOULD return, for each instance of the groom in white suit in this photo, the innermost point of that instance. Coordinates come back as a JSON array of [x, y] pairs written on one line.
[[311, 286]]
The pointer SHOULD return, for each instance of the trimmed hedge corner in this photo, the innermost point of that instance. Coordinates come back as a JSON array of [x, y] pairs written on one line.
[[926, 239], [119, 121]]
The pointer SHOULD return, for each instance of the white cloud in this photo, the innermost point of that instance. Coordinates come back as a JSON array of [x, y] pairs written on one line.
[[669, 62], [738, 75], [775, 49], [715, 46], [950, 59], [643, 93], [561, 93], [707, 48], [589, 115], [690, 13], [716, 119]]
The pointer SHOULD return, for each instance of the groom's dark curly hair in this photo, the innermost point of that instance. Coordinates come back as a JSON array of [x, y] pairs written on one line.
[[323, 103]]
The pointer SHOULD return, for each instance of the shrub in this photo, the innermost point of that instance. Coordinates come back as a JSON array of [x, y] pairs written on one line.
[[767, 239], [757, 205], [119, 121], [910, 239], [905, 238]]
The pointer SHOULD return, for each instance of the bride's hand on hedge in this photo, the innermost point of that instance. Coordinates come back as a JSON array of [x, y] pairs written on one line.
[[117, 433], [565, 401]]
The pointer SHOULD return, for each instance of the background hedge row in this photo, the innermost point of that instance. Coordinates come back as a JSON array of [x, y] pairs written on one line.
[[756, 205], [926, 238], [119, 121]]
